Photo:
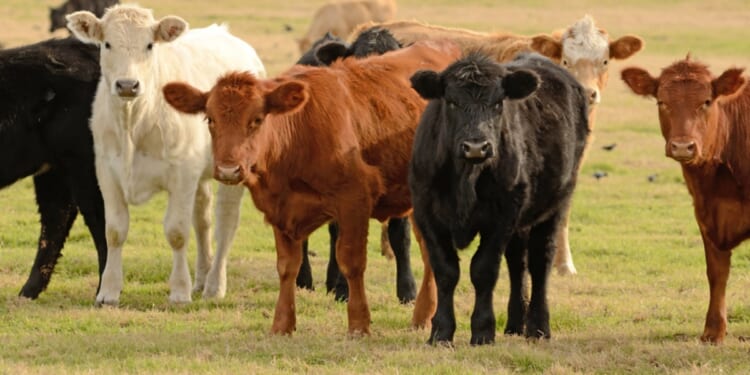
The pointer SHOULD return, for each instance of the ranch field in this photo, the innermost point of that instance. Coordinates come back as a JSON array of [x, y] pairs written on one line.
[[637, 304]]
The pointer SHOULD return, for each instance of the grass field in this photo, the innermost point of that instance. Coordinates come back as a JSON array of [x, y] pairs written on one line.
[[636, 306]]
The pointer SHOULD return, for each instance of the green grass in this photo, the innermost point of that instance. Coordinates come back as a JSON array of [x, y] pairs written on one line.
[[636, 306]]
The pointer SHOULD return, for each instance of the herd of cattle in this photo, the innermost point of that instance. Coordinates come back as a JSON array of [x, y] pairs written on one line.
[[460, 132]]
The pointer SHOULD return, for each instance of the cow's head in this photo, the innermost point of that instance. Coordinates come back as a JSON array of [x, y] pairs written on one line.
[[686, 94], [236, 110], [129, 39], [586, 51], [472, 92]]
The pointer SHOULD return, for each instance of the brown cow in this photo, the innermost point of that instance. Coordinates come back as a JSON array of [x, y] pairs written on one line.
[[321, 144], [703, 120], [341, 17], [583, 49]]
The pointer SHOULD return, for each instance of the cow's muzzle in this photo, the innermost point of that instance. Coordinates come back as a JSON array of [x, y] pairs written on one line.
[[230, 175], [682, 151], [476, 151], [127, 88]]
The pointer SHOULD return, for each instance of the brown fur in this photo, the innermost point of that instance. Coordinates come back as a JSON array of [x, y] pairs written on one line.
[[711, 112], [341, 17], [321, 144]]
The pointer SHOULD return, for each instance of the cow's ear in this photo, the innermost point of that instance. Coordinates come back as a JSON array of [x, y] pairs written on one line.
[[328, 53], [86, 27], [625, 47], [640, 81], [287, 97], [428, 84], [185, 98], [169, 28], [520, 84], [728, 82], [547, 46]]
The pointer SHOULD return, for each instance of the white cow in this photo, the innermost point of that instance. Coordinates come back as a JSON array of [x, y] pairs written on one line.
[[143, 146]]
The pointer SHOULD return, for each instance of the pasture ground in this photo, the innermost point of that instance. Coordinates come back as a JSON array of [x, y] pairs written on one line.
[[636, 306]]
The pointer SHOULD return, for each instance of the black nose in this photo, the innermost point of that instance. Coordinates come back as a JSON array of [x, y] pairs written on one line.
[[127, 87], [476, 151]]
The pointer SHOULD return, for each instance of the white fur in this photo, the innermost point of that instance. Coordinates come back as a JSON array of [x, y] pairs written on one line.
[[143, 146], [584, 40]]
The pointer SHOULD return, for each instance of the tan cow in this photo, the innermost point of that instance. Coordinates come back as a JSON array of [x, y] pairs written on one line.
[[341, 17], [583, 49]]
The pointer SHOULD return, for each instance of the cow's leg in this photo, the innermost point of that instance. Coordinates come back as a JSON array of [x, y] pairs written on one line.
[[202, 227], [485, 266], [57, 214], [87, 195], [445, 265], [385, 241], [541, 250], [288, 260], [177, 230], [515, 256], [117, 221], [718, 263], [563, 258], [426, 302], [304, 278], [228, 202], [351, 255], [334, 280], [398, 235]]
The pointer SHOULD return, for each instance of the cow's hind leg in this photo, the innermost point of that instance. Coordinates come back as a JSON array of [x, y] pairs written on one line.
[[351, 255], [304, 278], [58, 212], [202, 227], [398, 236], [515, 256], [228, 201], [541, 250], [426, 302], [335, 282]]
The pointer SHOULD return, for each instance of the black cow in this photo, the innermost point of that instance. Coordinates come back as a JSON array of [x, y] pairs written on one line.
[[46, 90], [373, 41], [496, 154], [57, 15]]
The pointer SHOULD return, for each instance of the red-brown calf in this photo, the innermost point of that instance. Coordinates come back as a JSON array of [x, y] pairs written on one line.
[[321, 144], [704, 122]]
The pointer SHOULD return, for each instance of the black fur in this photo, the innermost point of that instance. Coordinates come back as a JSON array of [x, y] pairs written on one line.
[[57, 15], [513, 194], [374, 41], [46, 90]]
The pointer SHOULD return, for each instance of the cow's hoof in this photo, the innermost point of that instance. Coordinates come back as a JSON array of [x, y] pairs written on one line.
[[212, 291], [180, 298], [566, 269]]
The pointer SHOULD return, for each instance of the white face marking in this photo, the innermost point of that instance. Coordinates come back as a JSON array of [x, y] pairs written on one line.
[[586, 55]]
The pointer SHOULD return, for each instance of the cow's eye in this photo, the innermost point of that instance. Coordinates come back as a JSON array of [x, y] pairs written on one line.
[[565, 62], [605, 62], [209, 121], [707, 103], [258, 120], [107, 46], [150, 46]]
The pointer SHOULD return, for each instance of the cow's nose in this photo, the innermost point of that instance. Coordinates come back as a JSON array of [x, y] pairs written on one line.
[[593, 96], [682, 150], [476, 151], [127, 88], [228, 174]]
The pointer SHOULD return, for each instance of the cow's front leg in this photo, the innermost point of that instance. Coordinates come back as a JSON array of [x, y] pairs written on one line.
[[717, 270], [288, 261], [228, 202], [563, 260], [117, 219], [177, 230], [485, 265], [351, 255]]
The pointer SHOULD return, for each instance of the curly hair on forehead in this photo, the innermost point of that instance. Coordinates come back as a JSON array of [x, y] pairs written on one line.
[[475, 69]]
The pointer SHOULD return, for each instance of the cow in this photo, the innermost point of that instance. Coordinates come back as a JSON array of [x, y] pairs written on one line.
[[496, 154], [582, 48], [324, 52], [704, 123], [142, 146], [342, 16], [57, 15], [322, 144], [46, 91]]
